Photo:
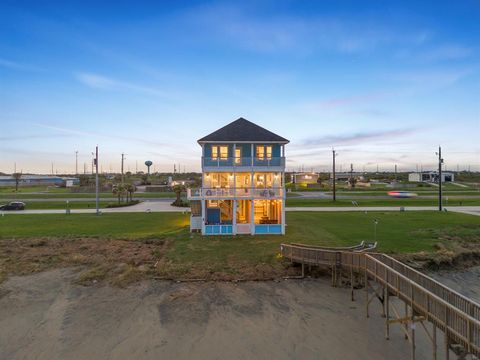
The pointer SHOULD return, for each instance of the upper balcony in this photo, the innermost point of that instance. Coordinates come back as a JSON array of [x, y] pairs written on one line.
[[239, 193], [243, 163]]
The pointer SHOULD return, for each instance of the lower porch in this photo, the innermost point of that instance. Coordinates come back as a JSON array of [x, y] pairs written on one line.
[[231, 217]]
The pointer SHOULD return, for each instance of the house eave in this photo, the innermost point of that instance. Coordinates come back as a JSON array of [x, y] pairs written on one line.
[[243, 142]]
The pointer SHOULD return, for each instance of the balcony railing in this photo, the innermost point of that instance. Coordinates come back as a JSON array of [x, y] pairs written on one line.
[[212, 193], [242, 161]]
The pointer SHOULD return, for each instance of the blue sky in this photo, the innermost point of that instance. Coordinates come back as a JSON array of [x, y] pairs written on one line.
[[382, 82]]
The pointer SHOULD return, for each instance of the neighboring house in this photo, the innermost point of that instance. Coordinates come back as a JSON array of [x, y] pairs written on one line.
[[243, 182], [29, 180], [430, 176], [305, 178]]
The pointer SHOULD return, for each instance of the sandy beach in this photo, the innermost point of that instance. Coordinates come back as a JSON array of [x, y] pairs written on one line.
[[48, 316]]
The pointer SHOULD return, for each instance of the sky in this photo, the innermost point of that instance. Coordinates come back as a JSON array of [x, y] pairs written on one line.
[[382, 82]]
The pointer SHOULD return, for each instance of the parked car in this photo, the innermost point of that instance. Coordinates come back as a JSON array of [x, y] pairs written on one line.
[[14, 205]]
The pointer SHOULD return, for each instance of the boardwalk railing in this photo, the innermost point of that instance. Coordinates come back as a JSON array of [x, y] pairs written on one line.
[[456, 315]]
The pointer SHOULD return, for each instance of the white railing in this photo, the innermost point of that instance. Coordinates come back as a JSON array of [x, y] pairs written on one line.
[[243, 161], [206, 193]]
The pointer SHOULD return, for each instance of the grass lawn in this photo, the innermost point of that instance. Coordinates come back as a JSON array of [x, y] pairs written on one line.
[[37, 242], [44, 205], [10, 196], [304, 202]]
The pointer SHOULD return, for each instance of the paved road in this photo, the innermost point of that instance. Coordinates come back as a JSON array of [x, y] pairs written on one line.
[[372, 196], [146, 206], [73, 199], [164, 206], [472, 210]]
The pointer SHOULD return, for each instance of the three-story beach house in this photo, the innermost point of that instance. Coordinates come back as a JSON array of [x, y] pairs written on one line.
[[243, 182]]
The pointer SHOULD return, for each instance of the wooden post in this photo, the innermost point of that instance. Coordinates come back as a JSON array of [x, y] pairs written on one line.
[[351, 281], [406, 324], [447, 337], [366, 289], [412, 329], [434, 336], [383, 303], [387, 315], [303, 269]]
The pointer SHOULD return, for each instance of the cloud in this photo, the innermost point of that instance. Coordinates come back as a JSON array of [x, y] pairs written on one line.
[[96, 135], [105, 83], [247, 29], [437, 54], [17, 66], [29, 137], [347, 100], [356, 138]]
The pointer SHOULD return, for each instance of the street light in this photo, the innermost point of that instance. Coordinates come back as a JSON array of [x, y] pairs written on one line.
[[375, 223], [440, 162]]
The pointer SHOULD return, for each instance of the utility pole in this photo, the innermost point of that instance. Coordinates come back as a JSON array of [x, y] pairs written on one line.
[[123, 158], [334, 154], [351, 176], [440, 162], [76, 162], [84, 168], [97, 202], [395, 172]]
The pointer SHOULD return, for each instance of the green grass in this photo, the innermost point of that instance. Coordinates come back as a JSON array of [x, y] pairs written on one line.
[[51, 205], [71, 195], [132, 226], [399, 232], [180, 254], [303, 202]]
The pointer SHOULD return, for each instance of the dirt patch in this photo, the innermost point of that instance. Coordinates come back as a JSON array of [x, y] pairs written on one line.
[[118, 261], [121, 262], [457, 249]]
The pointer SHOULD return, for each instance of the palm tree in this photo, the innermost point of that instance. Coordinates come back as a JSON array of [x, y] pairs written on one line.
[[178, 189], [130, 188], [17, 177], [119, 190]]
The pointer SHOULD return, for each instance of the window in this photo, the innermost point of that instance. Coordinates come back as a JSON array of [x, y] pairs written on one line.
[[221, 151], [260, 152], [264, 152], [238, 156], [269, 152]]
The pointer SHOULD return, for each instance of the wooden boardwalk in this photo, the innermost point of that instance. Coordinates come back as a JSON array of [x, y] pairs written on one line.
[[426, 301]]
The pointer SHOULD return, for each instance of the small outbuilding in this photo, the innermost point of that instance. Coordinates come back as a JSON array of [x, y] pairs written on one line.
[[431, 177], [305, 178]]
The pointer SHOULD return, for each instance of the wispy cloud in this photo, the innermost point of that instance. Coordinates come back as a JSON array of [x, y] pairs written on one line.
[[97, 81], [278, 32], [347, 100], [356, 138], [70, 131], [10, 64], [445, 52]]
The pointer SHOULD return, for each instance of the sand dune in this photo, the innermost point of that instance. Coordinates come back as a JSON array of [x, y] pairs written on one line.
[[46, 316]]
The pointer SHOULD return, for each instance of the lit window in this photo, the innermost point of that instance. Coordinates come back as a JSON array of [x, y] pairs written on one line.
[[214, 152], [238, 156], [260, 152], [223, 152], [269, 152]]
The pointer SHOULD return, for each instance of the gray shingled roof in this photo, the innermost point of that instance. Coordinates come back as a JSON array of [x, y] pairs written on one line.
[[242, 130]]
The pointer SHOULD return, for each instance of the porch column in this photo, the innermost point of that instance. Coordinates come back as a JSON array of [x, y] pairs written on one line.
[[203, 159], [204, 214], [284, 202], [234, 218], [252, 216], [251, 154]]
